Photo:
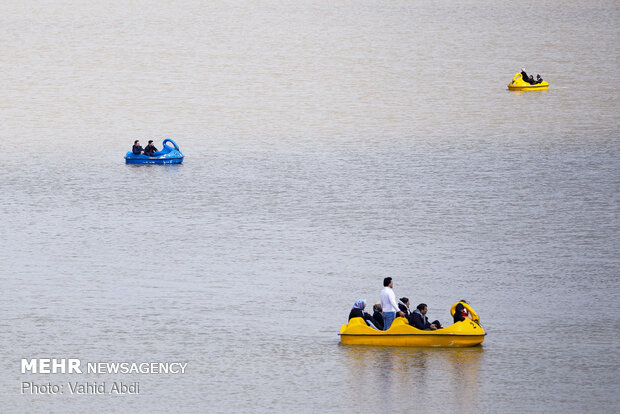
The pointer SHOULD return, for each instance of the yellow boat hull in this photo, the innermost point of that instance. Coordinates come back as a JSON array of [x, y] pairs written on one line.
[[461, 334], [518, 84]]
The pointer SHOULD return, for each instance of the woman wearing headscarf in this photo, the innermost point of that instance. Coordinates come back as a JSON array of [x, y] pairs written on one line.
[[358, 312]]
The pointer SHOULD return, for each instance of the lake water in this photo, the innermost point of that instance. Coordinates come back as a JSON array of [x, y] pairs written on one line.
[[328, 145]]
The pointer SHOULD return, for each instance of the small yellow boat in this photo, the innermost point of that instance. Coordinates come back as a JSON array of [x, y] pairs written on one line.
[[518, 84], [460, 334]]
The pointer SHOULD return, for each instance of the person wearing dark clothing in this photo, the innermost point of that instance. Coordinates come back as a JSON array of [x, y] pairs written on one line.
[[137, 148], [150, 149], [458, 313], [538, 79], [419, 320], [525, 76], [403, 305], [358, 312], [377, 316]]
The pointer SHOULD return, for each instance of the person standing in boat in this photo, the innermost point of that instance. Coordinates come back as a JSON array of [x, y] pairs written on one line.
[[137, 148], [388, 304], [150, 149], [419, 320], [358, 312]]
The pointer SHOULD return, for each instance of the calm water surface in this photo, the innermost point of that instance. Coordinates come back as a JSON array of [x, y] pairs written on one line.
[[328, 145]]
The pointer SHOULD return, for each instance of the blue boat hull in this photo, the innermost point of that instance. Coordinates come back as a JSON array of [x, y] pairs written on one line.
[[167, 155], [152, 160]]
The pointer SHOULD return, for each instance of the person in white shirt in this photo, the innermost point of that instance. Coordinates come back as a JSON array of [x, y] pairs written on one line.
[[388, 303]]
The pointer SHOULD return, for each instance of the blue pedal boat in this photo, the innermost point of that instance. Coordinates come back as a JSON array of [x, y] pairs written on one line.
[[168, 155]]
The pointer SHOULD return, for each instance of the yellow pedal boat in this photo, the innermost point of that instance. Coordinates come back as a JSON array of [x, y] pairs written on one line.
[[460, 334], [518, 84]]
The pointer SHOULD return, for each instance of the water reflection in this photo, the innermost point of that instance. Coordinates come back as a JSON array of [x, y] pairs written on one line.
[[520, 92], [389, 373]]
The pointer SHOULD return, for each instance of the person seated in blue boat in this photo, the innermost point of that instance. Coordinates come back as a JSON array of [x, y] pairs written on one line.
[[137, 148], [377, 316], [150, 149], [419, 320], [358, 312], [403, 305]]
